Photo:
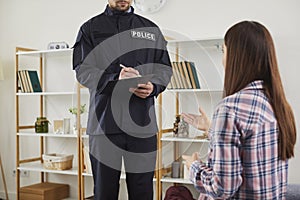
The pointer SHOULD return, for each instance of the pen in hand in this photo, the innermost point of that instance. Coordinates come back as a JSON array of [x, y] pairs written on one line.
[[122, 66], [130, 70]]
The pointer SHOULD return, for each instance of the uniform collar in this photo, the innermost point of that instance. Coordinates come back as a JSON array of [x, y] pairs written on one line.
[[110, 12]]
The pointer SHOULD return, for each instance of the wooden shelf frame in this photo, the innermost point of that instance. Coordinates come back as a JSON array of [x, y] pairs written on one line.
[[160, 135], [36, 164]]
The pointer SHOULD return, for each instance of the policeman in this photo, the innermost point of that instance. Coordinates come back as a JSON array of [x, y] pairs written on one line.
[[122, 122]]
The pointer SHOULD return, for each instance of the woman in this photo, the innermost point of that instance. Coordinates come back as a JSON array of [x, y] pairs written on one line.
[[252, 133]]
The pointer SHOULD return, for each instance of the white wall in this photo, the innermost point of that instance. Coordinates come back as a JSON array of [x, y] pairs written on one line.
[[35, 23]]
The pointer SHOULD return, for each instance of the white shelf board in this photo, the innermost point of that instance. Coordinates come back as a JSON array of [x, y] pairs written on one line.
[[87, 174], [44, 93], [204, 42], [38, 167], [193, 90], [175, 180], [31, 134], [185, 39], [168, 137], [54, 52]]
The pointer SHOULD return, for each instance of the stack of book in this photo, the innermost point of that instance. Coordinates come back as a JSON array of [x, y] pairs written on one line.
[[184, 76], [28, 81]]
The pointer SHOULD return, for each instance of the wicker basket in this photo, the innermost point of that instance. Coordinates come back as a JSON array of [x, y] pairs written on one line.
[[56, 161]]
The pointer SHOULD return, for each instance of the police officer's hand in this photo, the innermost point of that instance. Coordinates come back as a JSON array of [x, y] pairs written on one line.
[[128, 72], [143, 90]]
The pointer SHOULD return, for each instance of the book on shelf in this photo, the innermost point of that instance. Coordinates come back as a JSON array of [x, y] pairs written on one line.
[[24, 80], [190, 71], [175, 82], [20, 82], [195, 75], [170, 85], [28, 81], [35, 82], [179, 81], [184, 76]]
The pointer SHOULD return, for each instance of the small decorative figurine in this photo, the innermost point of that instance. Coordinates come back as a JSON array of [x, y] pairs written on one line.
[[180, 127], [183, 128]]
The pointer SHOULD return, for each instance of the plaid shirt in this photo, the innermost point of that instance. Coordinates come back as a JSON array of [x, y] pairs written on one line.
[[243, 161]]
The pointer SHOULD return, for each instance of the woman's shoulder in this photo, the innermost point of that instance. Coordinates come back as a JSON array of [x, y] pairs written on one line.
[[250, 101], [250, 95]]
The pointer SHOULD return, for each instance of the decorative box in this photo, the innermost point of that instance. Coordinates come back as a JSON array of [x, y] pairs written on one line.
[[44, 191]]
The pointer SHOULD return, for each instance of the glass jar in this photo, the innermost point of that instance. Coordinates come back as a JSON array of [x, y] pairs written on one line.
[[41, 125]]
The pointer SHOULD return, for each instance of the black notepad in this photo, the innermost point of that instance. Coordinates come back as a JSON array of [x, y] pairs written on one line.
[[126, 83]]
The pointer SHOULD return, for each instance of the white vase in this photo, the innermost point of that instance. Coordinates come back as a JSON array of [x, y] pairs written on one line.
[[75, 124]]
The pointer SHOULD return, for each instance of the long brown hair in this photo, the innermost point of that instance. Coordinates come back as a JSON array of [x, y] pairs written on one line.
[[251, 56]]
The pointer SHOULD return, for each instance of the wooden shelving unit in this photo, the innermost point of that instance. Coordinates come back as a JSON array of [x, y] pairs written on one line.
[[35, 164]]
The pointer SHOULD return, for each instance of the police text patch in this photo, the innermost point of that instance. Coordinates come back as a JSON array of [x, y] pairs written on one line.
[[143, 35]]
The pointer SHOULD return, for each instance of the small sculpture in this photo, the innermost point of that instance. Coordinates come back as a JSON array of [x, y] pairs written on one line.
[[181, 128], [175, 125]]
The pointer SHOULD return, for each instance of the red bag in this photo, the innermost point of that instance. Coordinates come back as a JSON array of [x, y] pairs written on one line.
[[178, 193]]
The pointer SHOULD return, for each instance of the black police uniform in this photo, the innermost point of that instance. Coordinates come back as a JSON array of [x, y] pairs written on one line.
[[120, 124]]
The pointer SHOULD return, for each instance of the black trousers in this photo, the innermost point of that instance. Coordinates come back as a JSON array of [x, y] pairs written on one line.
[[139, 155]]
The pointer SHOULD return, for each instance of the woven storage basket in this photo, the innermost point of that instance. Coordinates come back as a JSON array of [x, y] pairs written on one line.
[[57, 161]]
